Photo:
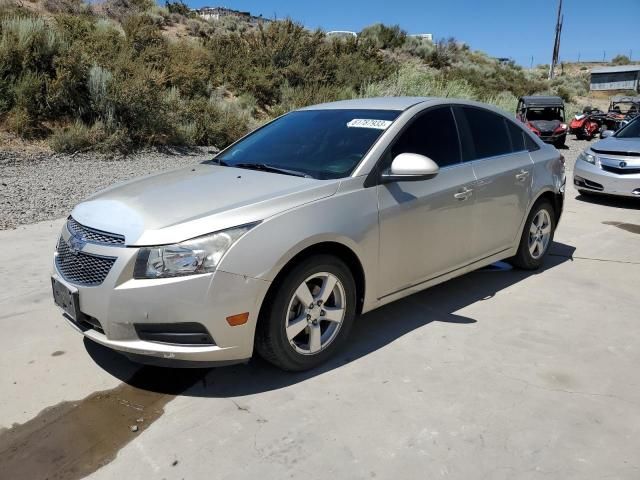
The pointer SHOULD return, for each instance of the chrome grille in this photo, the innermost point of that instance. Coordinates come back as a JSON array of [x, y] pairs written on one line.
[[92, 235], [620, 171], [82, 268]]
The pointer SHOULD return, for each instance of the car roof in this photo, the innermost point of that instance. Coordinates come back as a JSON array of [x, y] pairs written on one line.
[[402, 104], [375, 103], [542, 101]]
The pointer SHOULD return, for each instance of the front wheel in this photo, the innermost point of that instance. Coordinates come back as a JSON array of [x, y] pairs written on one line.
[[309, 314], [536, 237]]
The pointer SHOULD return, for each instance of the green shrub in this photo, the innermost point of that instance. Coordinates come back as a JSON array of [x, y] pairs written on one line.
[[72, 138], [75, 7], [19, 121], [383, 36], [621, 60], [121, 9], [28, 44], [418, 47], [178, 7]]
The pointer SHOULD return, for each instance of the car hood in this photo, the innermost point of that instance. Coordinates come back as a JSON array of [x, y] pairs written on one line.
[[617, 146], [177, 205], [545, 125]]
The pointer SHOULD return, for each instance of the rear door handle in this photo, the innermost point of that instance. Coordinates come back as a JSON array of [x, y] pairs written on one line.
[[522, 175], [463, 194]]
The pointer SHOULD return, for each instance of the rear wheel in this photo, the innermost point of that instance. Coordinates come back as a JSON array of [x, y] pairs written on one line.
[[309, 315], [536, 237]]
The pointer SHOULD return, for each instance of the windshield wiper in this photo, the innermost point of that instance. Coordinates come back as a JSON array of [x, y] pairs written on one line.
[[270, 168], [216, 161]]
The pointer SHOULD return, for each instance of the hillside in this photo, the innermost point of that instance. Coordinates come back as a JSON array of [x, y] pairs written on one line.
[[126, 73]]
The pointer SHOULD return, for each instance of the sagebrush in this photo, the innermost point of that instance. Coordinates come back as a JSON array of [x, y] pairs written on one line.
[[128, 73]]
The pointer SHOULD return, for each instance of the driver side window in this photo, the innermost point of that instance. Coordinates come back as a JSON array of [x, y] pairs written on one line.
[[433, 134]]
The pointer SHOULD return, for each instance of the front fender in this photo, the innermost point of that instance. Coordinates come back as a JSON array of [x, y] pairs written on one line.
[[349, 218]]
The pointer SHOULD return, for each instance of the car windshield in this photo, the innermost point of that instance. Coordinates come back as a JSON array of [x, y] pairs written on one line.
[[548, 113], [632, 130], [323, 144]]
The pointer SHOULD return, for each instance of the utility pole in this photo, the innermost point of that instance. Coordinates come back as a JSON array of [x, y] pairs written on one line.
[[556, 43], [604, 55]]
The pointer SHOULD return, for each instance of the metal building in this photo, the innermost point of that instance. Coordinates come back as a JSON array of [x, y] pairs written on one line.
[[623, 77]]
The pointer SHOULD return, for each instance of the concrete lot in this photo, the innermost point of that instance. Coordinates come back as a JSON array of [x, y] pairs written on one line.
[[500, 374]]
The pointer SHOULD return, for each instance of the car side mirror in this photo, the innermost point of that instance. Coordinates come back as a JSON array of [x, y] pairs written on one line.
[[607, 133], [408, 167]]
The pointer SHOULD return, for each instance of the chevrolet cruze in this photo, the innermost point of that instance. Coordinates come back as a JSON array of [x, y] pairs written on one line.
[[281, 240]]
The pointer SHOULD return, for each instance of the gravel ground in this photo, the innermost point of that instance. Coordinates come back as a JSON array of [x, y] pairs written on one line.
[[40, 186]]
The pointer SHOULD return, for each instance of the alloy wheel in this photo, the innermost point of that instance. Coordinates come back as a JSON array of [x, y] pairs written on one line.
[[315, 314], [539, 234]]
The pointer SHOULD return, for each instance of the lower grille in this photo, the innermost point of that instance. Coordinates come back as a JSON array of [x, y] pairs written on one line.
[[82, 268]]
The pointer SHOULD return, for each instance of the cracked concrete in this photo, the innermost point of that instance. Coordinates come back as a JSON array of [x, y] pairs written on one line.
[[499, 374]]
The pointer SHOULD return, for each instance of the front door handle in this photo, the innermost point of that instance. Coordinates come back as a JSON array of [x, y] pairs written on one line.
[[463, 194], [522, 176]]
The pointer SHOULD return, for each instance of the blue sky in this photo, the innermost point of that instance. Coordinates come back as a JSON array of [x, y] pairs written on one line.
[[517, 29]]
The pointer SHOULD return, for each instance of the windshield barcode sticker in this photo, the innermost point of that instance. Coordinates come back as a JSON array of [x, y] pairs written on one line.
[[369, 123]]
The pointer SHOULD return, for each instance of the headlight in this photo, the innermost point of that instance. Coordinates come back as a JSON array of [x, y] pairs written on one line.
[[587, 157], [199, 255]]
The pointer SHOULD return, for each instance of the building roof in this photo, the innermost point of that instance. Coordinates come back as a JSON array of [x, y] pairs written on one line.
[[542, 101], [617, 69]]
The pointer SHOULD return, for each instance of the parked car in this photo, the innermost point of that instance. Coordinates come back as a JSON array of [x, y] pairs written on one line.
[[622, 110], [544, 116], [284, 237], [611, 165]]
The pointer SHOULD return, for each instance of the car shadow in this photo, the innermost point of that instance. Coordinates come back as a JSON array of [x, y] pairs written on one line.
[[627, 203], [371, 332]]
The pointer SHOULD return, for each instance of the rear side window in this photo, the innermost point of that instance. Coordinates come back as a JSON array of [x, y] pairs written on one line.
[[432, 134], [530, 143], [489, 134], [517, 137]]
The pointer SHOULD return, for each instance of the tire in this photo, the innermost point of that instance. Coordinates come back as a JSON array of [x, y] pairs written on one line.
[[525, 258], [311, 337], [559, 143]]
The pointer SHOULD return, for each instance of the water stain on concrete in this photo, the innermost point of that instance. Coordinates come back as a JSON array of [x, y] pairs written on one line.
[[70, 440], [628, 227]]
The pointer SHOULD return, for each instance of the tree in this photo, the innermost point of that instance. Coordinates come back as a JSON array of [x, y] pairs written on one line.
[[621, 60]]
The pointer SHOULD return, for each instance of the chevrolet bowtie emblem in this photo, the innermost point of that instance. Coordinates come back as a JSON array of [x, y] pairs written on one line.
[[76, 244]]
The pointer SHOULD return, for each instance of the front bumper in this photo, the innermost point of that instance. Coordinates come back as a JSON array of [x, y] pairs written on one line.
[[592, 178], [553, 137], [121, 303]]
